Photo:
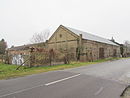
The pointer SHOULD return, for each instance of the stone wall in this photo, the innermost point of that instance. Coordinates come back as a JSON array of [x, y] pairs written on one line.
[[64, 42], [91, 50]]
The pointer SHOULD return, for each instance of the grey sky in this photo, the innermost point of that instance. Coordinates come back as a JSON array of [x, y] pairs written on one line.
[[20, 19]]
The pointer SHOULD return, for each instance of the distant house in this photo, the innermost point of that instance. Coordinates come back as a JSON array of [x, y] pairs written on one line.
[[83, 45]]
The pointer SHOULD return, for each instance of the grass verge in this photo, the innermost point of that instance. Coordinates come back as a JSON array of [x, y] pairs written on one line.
[[9, 71]]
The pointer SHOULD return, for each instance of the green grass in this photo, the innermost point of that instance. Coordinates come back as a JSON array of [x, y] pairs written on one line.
[[9, 71]]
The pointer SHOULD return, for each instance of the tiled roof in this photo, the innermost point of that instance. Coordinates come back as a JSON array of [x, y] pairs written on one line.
[[92, 37], [24, 47]]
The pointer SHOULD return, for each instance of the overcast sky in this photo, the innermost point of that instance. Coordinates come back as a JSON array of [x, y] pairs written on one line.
[[20, 19]]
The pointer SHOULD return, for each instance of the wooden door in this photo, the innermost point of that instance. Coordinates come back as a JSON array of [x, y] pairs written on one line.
[[101, 53]]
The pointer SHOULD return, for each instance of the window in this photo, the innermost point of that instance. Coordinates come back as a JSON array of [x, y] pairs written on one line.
[[60, 35]]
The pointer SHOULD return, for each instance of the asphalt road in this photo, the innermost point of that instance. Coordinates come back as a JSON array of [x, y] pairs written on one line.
[[104, 80]]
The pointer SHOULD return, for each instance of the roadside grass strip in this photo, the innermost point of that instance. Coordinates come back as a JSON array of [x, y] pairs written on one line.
[[9, 71]]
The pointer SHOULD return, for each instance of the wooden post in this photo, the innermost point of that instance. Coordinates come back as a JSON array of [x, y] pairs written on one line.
[[6, 57], [31, 56]]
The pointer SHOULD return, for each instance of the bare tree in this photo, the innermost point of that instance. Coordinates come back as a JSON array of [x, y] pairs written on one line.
[[127, 43], [3, 46], [40, 37]]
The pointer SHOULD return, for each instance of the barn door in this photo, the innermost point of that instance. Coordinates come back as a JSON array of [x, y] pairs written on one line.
[[114, 53], [101, 53]]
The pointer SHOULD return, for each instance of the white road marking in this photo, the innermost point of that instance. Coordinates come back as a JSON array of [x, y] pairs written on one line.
[[47, 84], [38, 86], [99, 91]]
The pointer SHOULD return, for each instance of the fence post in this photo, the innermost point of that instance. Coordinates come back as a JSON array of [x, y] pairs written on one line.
[[31, 56], [6, 57]]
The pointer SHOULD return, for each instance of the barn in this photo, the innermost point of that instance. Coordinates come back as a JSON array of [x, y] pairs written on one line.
[[82, 45]]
